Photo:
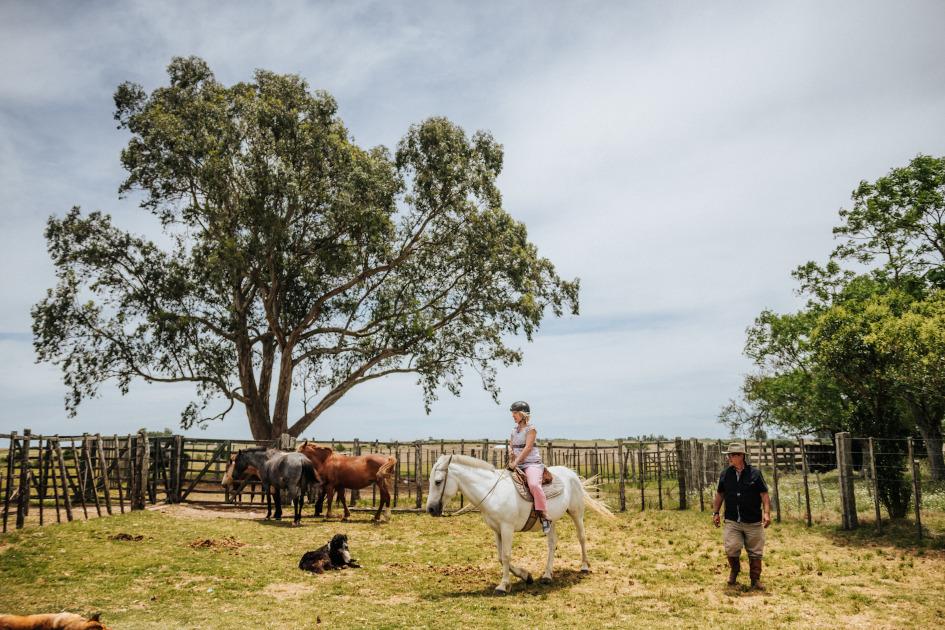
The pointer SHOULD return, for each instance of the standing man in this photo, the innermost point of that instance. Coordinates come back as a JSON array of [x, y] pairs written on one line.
[[747, 514]]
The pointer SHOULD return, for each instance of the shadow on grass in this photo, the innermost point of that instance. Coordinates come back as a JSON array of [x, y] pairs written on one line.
[[564, 578], [287, 522], [899, 533]]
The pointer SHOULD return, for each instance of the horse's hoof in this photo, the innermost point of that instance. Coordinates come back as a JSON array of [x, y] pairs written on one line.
[[585, 571], [529, 579], [500, 592], [544, 580]]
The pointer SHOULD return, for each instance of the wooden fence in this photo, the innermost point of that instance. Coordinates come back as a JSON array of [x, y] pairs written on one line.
[[68, 477]]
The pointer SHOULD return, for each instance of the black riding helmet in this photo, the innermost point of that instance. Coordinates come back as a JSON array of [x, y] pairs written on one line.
[[520, 405]]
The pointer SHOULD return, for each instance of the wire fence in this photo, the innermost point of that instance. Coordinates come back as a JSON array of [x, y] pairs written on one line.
[[850, 482]]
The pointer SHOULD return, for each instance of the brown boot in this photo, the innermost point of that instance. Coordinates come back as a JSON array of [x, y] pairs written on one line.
[[754, 572], [735, 564]]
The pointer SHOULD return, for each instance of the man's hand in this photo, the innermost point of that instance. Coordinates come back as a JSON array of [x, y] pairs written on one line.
[[717, 520], [511, 465], [765, 519]]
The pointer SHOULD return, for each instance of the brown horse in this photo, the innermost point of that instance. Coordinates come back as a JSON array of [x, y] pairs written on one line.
[[339, 472], [235, 486]]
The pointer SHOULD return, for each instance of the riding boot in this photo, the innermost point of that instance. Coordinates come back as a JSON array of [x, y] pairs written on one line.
[[754, 572], [735, 565]]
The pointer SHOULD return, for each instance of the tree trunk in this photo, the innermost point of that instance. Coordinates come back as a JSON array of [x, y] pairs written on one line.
[[932, 436], [928, 420], [280, 411]]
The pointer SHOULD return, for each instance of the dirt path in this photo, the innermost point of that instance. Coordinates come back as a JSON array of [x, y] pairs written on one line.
[[199, 512]]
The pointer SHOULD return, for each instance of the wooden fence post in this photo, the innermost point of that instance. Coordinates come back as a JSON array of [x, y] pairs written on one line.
[[104, 469], [659, 471], [777, 494], [681, 473], [418, 450], [916, 490], [131, 454], [699, 470], [177, 454], [138, 489], [42, 479], [51, 456], [623, 476], [22, 506], [879, 518], [79, 478], [845, 466], [90, 482], [806, 486], [9, 480], [64, 479], [642, 480], [396, 496], [121, 494]]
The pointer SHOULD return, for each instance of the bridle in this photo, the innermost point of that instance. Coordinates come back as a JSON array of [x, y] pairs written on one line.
[[446, 476]]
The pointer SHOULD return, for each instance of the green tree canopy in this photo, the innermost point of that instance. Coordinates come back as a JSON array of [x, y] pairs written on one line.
[[296, 258], [865, 354]]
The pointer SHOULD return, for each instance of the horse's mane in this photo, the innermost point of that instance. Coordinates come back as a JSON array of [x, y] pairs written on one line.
[[473, 462]]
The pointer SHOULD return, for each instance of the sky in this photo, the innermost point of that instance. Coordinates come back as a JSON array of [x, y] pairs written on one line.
[[679, 158]]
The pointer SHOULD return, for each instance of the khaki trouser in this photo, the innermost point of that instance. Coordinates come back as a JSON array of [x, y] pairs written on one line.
[[736, 535]]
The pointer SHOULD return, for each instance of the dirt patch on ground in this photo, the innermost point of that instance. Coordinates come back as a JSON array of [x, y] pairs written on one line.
[[286, 590], [198, 512], [124, 536], [225, 543]]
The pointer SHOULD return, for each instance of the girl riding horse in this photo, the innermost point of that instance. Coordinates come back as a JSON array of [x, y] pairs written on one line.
[[524, 455]]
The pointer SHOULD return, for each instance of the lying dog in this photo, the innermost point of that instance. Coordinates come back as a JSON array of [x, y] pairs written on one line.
[[334, 555], [60, 621]]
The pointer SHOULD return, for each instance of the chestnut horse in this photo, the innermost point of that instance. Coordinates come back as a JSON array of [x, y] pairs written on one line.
[[353, 472]]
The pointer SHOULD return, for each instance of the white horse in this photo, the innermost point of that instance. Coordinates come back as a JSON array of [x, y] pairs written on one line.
[[493, 493]]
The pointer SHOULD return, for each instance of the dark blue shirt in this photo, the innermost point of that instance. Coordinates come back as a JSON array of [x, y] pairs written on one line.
[[742, 494]]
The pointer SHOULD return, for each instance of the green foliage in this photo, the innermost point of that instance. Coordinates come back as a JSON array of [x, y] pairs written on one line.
[[865, 354], [297, 258]]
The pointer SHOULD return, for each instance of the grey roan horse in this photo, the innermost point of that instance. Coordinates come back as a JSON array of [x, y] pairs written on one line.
[[287, 474]]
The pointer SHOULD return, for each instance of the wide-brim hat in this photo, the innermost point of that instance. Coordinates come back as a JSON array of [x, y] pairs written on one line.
[[735, 447]]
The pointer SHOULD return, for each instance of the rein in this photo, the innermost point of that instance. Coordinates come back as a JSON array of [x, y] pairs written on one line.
[[469, 507]]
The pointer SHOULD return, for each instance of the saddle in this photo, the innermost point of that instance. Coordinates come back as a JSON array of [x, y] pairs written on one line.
[[553, 486], [549, 483]]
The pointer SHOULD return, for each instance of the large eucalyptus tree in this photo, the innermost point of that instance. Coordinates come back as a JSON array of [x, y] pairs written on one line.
[[295, 260]]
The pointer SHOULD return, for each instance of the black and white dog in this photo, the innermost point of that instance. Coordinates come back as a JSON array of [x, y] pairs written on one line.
[[334, 555]]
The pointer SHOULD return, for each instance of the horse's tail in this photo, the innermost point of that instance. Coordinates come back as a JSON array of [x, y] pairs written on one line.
[[595, 505], [309, 477], [384, 472]]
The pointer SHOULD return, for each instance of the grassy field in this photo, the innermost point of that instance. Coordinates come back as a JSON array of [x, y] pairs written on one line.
[[194, 569]]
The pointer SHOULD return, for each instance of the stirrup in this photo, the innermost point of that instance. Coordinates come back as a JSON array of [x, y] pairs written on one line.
[[545, 526]]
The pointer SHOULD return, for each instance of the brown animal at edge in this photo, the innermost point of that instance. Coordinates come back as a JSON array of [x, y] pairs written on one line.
[[235, 486], [55, 621], [353, 472]]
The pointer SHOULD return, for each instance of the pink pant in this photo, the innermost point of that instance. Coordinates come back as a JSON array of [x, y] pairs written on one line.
[[533, 474]]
